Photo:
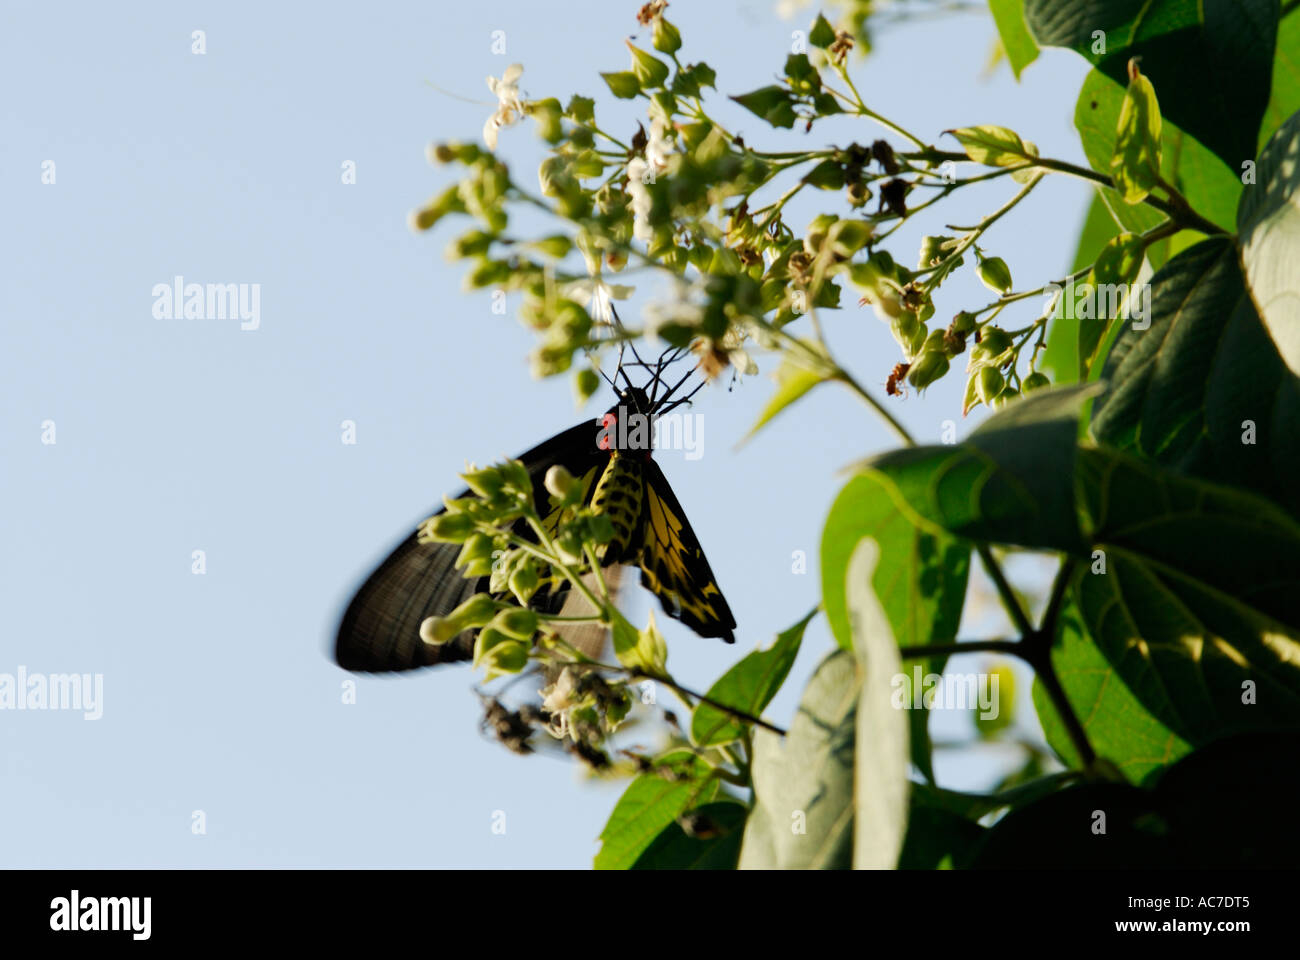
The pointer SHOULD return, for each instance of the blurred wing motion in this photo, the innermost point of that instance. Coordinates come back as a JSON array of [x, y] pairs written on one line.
[[381, 627]]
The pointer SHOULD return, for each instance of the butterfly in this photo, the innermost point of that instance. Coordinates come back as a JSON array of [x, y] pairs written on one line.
[[612, 458]]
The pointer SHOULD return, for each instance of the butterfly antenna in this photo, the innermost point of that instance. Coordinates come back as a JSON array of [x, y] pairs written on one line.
[[680, 400]]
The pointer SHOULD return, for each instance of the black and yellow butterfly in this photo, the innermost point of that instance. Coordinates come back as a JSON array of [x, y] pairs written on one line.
[[381, 628]]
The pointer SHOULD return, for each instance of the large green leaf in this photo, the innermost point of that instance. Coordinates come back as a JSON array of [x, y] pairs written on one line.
[[749, 686], [713, 844], [1228, 804], [650, 803], [921, 580], [1021, 50], [1184, 391], [803, 788], [1008, 483], [1269, 226], [1119, 728], [1210, 186], [1211, 60], [880, 763], [1198, 607], [1062, 354], [1284, 99]]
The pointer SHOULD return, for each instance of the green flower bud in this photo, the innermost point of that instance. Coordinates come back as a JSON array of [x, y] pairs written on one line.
[[935, 341], [917, 346], [471, 244], [477, 611], [1006, 396], [508, 657], [995, 274], [517, 622], [817, 231], [524, 581], [517, 477], [437, 630], [448, 527], [929, 367], [1035, 381], [488, 638], [585, 383], [666, 37], [487, 483], [963, 322], [994, 342], [988, 384], [569, 545], [477, 547], [849, 236]]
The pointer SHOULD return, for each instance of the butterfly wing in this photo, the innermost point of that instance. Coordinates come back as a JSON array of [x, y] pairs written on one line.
[[380, 630], [673, 566]]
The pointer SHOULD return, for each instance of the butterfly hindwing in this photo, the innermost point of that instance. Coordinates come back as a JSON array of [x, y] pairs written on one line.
[[380, 630], [673, 566]]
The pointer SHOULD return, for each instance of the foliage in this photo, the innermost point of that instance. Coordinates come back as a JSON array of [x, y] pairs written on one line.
[[1162, 481]]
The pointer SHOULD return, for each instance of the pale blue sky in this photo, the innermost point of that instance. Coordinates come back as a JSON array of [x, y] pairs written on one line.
[[177, 435]]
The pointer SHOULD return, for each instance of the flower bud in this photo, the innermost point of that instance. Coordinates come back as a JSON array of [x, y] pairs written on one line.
[[448, 527], [560, 483], [988, 384], [1036, 381], [517, 622], [1006, 396], [487, 483], [995, 274], [929, 367], [524, 581], [477, 611], [437, 630], [994, 341], [665, 37]]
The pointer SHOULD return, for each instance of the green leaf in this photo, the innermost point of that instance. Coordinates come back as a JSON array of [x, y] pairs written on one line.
[[1198, 607], [1017, 41], [822, 33], [1268, 222], [648, 69], [718, 848], [772, 103], [641, 650], [623, 84], [749, 687], [937, 839], [1210, 186], [802, 816], [1135, 164], [1119, 728], [921, 581], [973, 806], [650, 803], [1211, 62], [881, 751], [1062, 354], [1008, 483], [1182, 391], [794, 378], [995, 146], [1284, 96], [1116, 267]]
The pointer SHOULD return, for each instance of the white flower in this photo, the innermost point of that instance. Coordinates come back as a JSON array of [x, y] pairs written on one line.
[[509, 108], [558, 697], [637, 178], [657, 147], [594, 293]]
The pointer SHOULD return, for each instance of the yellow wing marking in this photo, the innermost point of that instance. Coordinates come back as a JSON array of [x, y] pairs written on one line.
[[664, 562]]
